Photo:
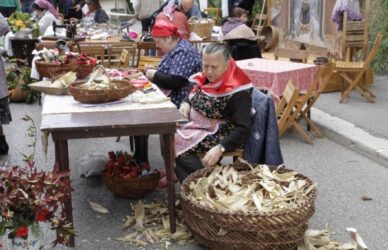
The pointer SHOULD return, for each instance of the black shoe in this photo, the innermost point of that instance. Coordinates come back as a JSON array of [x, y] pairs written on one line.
[[3, 145]]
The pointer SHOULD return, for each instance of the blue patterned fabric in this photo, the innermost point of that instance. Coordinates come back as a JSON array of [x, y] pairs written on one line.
[[184, 60]]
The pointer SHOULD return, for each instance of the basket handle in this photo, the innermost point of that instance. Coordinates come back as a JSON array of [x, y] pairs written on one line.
[[193, 20], [95, 74], [71, 44]]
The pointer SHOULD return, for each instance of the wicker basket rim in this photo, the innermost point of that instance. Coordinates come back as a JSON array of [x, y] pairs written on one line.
[[115, 178], [308, 202]]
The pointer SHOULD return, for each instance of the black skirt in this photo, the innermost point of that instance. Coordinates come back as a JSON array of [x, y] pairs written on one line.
[[5, 112]]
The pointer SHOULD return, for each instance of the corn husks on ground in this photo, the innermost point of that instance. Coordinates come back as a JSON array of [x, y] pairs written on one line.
[[151, 226], [259, 189]]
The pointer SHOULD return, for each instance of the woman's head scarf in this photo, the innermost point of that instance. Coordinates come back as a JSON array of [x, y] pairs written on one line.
[[232, 81], [164, 28], [44, 4]]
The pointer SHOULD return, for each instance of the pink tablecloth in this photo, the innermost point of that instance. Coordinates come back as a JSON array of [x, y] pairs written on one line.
[[273, 75]]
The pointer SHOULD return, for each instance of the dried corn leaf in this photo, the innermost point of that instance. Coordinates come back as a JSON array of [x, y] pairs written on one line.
[[357, 237], [98, 208], [139, 215]]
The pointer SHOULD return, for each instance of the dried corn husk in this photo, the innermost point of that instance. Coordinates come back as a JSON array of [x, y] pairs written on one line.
[[258, 189], [65, 80]]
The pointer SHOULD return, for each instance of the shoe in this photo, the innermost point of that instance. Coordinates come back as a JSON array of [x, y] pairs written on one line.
[[3, 146], [163, 181]]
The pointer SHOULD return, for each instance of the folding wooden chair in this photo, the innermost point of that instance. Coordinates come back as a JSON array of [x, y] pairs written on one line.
[[306, 100], [285, 110], [259, 22], [144, 60], [354, 73], [122, 55], [292, 54]]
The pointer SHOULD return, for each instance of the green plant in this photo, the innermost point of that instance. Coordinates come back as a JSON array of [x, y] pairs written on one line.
[[29, 196], [379, 22], [20, 21], [20, 76]]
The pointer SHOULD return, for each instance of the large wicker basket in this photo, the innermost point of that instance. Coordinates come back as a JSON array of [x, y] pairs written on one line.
[[90, 96], [254, 230], [134, 188], [51, 70], [202, 27]]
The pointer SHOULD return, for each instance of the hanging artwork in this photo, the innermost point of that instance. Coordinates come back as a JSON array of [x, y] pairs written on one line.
[[305, 22]]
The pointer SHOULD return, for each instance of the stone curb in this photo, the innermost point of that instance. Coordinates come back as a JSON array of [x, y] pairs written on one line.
[[351, 136]]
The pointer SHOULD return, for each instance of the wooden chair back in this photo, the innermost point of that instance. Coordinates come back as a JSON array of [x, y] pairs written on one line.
[[42, 45], [259, 22], [144, 60], [215, 13], [124, 56], [285, 112], [373, 51], [96, 51], [290, 53]]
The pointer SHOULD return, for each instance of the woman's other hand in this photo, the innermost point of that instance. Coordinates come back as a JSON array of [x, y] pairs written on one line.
[[212, 157], [149, 66], [150, 73], [184, 109]]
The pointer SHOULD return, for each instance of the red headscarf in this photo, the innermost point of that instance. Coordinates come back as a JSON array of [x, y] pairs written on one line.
[[233, 80], [164, 28]]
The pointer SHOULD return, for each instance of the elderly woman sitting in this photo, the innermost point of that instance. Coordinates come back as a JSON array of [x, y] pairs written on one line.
[[219, 111], [46, 13], [180, 61], [96, 13]]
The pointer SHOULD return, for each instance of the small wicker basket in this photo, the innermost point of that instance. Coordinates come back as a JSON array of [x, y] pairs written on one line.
[[133, 188], [202, 27], [254, 230], [51, 70], [122, 89]]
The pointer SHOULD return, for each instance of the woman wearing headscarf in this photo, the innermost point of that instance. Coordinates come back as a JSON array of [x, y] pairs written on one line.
[[5, 113], [180, 61], [219, 112], [96, 13], [172, 14], [46, 13]]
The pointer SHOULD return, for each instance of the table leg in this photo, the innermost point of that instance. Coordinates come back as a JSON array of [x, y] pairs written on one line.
[[62, 159], [169, 157]]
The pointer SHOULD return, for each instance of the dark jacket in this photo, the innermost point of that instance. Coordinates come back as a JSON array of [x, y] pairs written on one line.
[[67, 13], [263, 145]]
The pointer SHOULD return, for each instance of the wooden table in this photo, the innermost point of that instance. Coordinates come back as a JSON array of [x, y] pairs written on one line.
[[77, 125], [114, 40], [272, 75]]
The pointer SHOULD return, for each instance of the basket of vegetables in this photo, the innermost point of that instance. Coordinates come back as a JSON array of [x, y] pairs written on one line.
[[124, 177], [241, 206], [100, 89]]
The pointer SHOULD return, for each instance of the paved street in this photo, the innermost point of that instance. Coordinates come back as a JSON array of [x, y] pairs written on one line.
[[343, 175]]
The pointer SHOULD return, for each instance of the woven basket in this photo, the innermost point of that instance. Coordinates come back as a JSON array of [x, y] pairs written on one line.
[[202, 27], [51, 70], [253, 230], [124, 88], [134, 188], [84, 70]]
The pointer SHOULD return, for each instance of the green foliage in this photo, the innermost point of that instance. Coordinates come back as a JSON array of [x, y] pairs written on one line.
[[379, 22]]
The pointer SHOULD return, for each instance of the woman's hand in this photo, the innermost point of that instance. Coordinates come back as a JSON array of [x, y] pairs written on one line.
[[149, 66], [212, 157], [184, 109], [150, 73]]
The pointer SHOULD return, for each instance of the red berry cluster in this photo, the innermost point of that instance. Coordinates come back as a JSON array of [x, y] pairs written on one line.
[[124, 166]]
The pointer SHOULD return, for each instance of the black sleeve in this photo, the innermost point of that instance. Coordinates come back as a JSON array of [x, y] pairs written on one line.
[[167, 81], [239, 107]]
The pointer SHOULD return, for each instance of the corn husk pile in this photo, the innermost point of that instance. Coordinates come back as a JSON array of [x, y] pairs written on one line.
[[98, 80], [150, 225], [65, 80], [259, 189], [321, 240]]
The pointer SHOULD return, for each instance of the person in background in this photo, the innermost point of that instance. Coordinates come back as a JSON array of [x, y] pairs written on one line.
[[7, 7], [190, 8], [180, 61], [27, 5], [172, 14], [144, 10], [218, 110], [46, 13], [5, 113], [96, 13], [70, 8], [235, 28]]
